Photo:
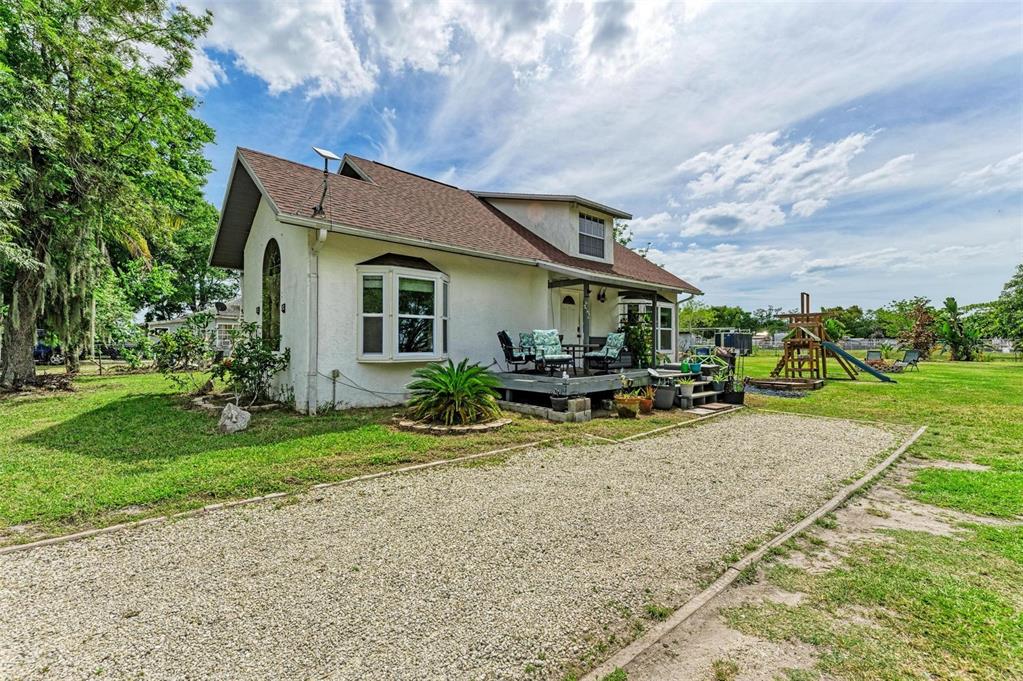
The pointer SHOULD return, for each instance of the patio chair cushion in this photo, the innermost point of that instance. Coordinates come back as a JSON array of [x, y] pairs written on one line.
[[612, 347], [526, 341], [548, 346], [873, 355]]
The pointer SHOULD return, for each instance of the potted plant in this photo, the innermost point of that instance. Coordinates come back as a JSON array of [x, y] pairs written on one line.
[[718, 383], [735, 392], [559, 400], [626, 401], [627, 405], [695, 367], [646, 399], [664, 396], [685, 386]]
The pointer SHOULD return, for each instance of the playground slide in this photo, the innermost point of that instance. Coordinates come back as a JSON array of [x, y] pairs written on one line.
[[827, 345]]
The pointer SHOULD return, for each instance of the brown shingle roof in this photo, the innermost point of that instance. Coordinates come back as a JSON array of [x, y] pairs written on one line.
[[403, 204]]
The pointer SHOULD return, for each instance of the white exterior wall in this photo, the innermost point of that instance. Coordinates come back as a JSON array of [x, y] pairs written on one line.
[[485, 296], [294, 244], [557, 222]]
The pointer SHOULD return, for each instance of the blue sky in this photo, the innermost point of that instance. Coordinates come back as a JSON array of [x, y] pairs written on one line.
[[862, 152]]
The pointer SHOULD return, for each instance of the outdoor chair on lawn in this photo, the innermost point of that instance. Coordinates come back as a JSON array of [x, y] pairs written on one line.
[[605, 356], [549, 353], [909, 360], [514, 356], [873, 356]]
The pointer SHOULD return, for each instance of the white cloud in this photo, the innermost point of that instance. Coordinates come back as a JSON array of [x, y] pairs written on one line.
[[291, 45], [204, 74], [728, 262], [732, 218], [772, 174], [887, 175], [892, 259], [657, 225], [342, 47], [1005, 175], [808, 207]]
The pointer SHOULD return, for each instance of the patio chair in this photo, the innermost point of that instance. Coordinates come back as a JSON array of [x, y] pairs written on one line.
[[873, 356], [526, 344], [909, 360], [549, 353], [514, 356], [611, 352]]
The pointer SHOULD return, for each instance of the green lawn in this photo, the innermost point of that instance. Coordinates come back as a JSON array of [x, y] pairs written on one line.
[[919, 606], [123, 447]]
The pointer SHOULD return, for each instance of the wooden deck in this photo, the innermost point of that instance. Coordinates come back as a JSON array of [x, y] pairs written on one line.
[[573, 385]]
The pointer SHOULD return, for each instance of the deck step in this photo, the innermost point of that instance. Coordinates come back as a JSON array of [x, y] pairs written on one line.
[[706, 393]]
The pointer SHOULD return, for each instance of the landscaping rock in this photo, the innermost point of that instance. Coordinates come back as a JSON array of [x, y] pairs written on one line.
[[233, 419]]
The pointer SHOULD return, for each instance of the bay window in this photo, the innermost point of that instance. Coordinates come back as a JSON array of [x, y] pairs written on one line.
[[403, 314]]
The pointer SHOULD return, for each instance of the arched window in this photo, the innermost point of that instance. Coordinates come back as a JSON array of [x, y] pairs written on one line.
[[272, 295]]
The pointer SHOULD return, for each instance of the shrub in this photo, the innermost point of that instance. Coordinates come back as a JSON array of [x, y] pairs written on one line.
[[252, 364], [920, 335], [453, 395], [185, 355], [959, 339]]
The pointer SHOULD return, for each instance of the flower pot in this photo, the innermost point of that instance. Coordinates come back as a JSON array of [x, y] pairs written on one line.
[[627, 407], [717, 386], [695, 367], [664, 397], [627, 411], [646, 405], [559, 403], [734, 397], [686, 389]]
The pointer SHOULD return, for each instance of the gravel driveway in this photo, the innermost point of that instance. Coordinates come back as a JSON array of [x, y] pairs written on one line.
[[501, 571]]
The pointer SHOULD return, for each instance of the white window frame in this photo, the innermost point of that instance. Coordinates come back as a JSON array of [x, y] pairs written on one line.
[[580, 216], [390, 316], [674, 334]]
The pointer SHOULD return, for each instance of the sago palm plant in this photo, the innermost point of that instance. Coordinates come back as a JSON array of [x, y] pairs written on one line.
[[453, 395]]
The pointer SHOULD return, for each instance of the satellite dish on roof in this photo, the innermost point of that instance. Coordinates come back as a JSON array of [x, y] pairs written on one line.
[[327, 157]]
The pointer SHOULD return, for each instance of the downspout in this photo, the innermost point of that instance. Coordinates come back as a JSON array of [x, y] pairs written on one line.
[[314, 322], [678, 320]]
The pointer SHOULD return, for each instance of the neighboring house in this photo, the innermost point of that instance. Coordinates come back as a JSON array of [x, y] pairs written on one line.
[[398, 270], [219, 328]]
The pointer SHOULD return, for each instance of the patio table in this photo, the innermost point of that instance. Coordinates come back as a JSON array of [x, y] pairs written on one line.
[[578, 350]]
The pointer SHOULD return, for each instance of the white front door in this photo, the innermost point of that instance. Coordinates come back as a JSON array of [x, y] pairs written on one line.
[[571, 319]]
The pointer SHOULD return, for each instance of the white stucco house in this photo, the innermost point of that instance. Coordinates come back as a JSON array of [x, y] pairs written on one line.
[[390, 270]]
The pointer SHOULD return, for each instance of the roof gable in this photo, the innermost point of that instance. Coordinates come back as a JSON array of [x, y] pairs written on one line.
[[392, 202]]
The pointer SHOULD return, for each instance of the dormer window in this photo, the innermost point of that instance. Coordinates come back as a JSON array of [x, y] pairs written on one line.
[[591, 236]]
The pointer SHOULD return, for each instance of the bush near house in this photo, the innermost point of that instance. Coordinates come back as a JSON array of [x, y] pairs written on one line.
[[453, 395], [253, 363]]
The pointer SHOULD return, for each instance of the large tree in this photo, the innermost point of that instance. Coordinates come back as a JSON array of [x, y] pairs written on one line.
[[179, 277], [1009, 308], [99, 147]]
